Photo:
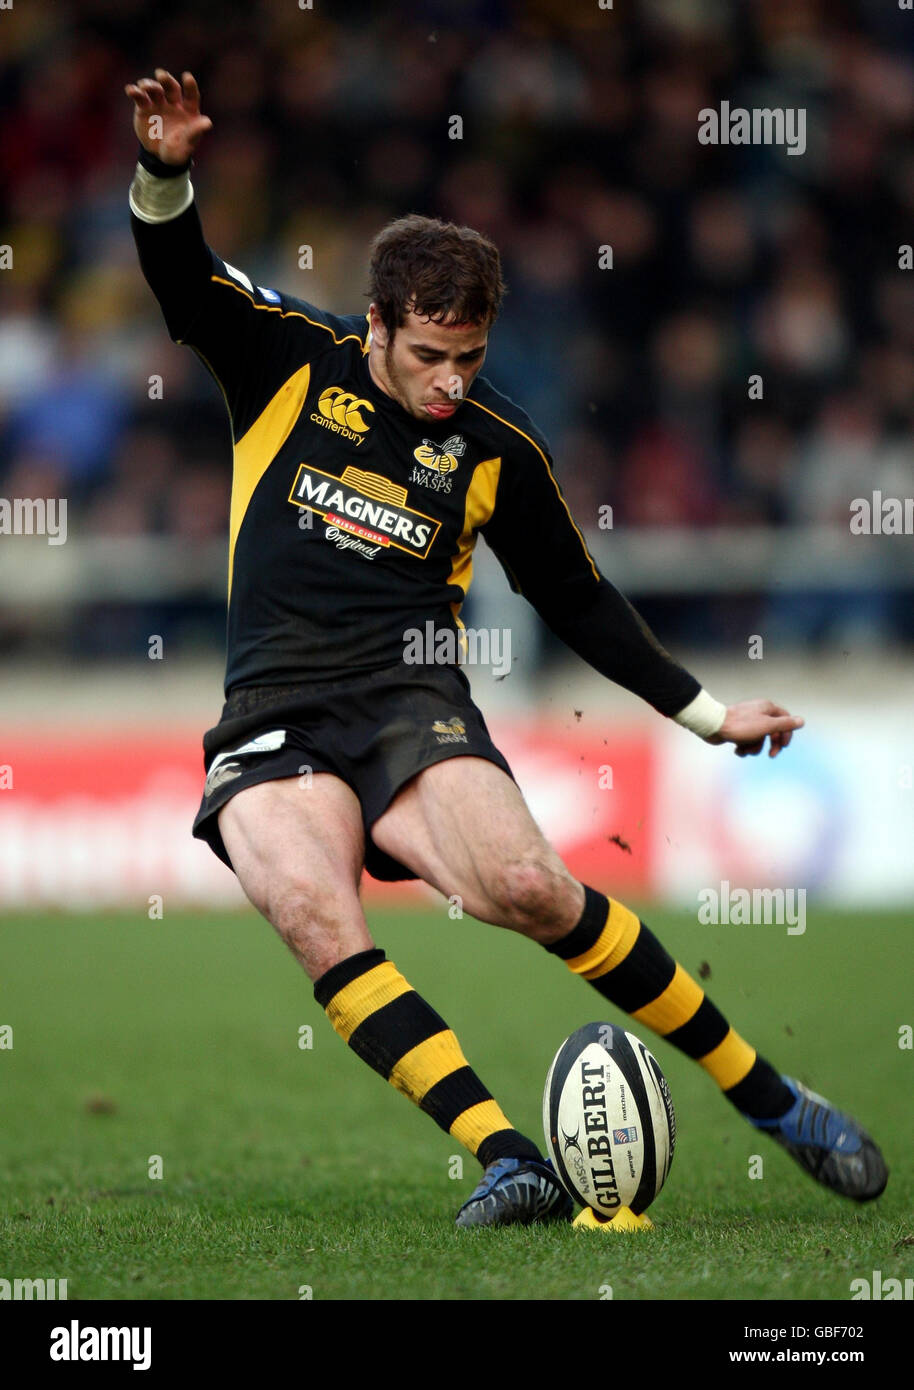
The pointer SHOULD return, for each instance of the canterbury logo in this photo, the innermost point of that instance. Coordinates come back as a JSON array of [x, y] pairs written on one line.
[[220, 774], [343, 408], [441, 458]]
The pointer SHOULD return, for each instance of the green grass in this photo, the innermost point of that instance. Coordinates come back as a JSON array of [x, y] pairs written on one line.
[[285, 1167]]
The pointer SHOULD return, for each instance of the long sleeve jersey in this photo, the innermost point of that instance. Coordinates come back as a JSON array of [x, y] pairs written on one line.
[[351, 521]]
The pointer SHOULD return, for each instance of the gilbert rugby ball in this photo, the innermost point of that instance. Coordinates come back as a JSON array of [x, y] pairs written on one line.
[[608, 1119]]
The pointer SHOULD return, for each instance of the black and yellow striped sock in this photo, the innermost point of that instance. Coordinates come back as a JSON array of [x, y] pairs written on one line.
[[391, 1027], [626, 963]]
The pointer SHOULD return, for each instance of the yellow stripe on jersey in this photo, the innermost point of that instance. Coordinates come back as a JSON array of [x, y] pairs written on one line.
[[469, 401], [479, 506], [258, 447]]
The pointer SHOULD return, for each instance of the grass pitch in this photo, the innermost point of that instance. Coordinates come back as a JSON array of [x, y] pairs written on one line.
[[174, 1046]]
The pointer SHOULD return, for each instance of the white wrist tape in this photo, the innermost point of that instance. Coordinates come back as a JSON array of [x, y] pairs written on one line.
[[159, 200], [704, 715]]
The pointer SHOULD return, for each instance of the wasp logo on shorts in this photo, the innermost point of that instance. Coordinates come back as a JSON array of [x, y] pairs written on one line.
[[366, 505], [341, 411], [452, 731]]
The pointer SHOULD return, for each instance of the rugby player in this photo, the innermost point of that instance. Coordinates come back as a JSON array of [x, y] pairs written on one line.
[[369, 454]]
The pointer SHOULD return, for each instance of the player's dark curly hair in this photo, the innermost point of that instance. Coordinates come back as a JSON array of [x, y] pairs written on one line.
[[440, 270]]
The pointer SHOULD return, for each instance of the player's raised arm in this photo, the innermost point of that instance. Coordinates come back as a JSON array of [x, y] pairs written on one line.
[[173, 254], [167, 117], [206, 303]]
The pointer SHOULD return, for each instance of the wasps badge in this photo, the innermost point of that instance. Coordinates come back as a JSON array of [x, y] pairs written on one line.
[[440, 458]]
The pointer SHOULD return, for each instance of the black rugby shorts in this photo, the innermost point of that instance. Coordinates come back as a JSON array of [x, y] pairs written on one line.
[[375, 732]]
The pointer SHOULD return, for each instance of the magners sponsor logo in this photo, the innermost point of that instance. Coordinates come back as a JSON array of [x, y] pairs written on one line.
[[366, 505], [341, 412]]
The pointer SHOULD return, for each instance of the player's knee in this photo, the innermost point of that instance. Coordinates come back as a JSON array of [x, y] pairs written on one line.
[[533, 894]]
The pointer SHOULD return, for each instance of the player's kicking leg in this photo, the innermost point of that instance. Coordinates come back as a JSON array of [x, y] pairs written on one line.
[[506, 873], [298, 854]]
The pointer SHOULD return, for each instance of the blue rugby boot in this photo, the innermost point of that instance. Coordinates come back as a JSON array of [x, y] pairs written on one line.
[[830, 1145], [516, 1191]]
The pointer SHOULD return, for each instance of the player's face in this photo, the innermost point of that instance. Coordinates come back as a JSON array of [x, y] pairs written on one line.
[[429, 367]]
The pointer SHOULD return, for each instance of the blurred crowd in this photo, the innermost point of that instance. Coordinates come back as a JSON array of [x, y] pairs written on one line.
[[579, 132]]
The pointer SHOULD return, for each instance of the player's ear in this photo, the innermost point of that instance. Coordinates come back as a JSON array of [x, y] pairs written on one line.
[[379, 333]]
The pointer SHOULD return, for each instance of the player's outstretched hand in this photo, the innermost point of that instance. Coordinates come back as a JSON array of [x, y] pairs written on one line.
[[166, 115], [748, 725]]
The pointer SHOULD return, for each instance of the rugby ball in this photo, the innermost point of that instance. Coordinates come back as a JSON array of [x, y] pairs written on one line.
[[608, 1119]]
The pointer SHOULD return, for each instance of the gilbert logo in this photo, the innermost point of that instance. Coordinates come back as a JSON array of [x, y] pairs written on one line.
[[440, 458], [341, 412], [75, 1343]]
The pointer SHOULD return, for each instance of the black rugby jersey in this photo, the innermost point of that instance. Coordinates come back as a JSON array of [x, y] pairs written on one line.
[[352, 522]]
